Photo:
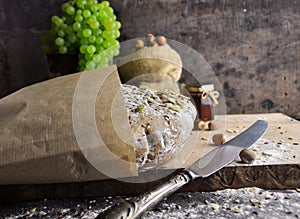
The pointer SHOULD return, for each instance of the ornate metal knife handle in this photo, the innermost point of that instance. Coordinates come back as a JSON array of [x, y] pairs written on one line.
[[137, 206]]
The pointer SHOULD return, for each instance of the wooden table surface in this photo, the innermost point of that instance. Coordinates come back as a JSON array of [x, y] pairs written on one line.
[[282, 134], [277, 165]]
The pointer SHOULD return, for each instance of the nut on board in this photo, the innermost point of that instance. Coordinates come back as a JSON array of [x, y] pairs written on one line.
[[214, 125], [218, 139], [247, 155]]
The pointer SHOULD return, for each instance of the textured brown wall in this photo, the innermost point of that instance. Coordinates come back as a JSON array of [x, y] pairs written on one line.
[[253, 46]]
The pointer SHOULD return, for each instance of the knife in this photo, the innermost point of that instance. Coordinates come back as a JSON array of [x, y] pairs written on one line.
[[205, 166]]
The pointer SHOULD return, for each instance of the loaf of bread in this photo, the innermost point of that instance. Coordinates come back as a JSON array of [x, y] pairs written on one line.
[[161, 121]]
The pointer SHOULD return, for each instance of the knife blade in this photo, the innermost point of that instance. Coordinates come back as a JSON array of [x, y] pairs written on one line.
[[205, 166]]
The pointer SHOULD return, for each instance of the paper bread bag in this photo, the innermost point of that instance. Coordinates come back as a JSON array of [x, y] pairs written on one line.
[[64, 130]]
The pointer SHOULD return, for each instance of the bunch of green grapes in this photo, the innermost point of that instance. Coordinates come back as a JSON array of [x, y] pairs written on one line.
[[90, 29]]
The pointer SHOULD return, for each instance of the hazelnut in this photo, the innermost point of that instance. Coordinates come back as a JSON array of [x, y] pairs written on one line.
[[161, 40], [139, 44], [214, 125], [218, 139], [150, 38], [247, 155], [201, 125]]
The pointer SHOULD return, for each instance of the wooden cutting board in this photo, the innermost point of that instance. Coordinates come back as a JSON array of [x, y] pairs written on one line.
[[277, 165]]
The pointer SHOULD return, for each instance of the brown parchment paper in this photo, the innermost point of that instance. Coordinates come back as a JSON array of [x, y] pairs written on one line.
[[48, 134]]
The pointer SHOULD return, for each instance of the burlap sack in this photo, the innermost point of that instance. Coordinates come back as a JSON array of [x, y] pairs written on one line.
[[48, 134], [161, 60]]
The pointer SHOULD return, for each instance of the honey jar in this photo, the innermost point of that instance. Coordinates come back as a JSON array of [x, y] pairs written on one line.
[[203, 101]]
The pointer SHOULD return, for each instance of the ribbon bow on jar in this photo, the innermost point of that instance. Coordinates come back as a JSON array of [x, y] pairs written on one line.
[[213, 94]]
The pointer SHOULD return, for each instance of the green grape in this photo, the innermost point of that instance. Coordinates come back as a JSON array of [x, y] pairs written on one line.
[[118, 25], [92, 18], [82, 49], [87, 32], [64, 27], [81, 3], [79, 34], [70, 10], [107, 34], [103, 53], [68, 19], [116, 34], [99, 48], [102, 14], [92, 39], [57, 21], [94, 24], [79, 18], [63, 49], [61, 33], [94, 8], [116, 51], [91, 49], [114, 43], [88, 56], [97, 58], [69, 30], [72, 38], [109, 10], [59, 41], [105, 3], [117, 45], [84, 41], [99, 40], [113, 17], [86, 13], [76, 26], [107, 20], [106, 44], [90, 65], [65, 6], [104, 61], [54, 18], [110, 52], [100, 7], [97, 32], [92, 2], [110, 25], [90, 28]]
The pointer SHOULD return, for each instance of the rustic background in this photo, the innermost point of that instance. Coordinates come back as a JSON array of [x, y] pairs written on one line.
[[253, 46]]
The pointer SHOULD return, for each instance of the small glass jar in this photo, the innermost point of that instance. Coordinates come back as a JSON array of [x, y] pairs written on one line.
[[206, 109], [203, 102]]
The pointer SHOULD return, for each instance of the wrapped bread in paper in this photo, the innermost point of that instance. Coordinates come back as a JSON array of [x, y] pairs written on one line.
[[62, 130], [87, 126]]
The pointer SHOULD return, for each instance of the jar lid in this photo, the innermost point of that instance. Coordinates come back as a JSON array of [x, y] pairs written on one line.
[[206, 87]]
